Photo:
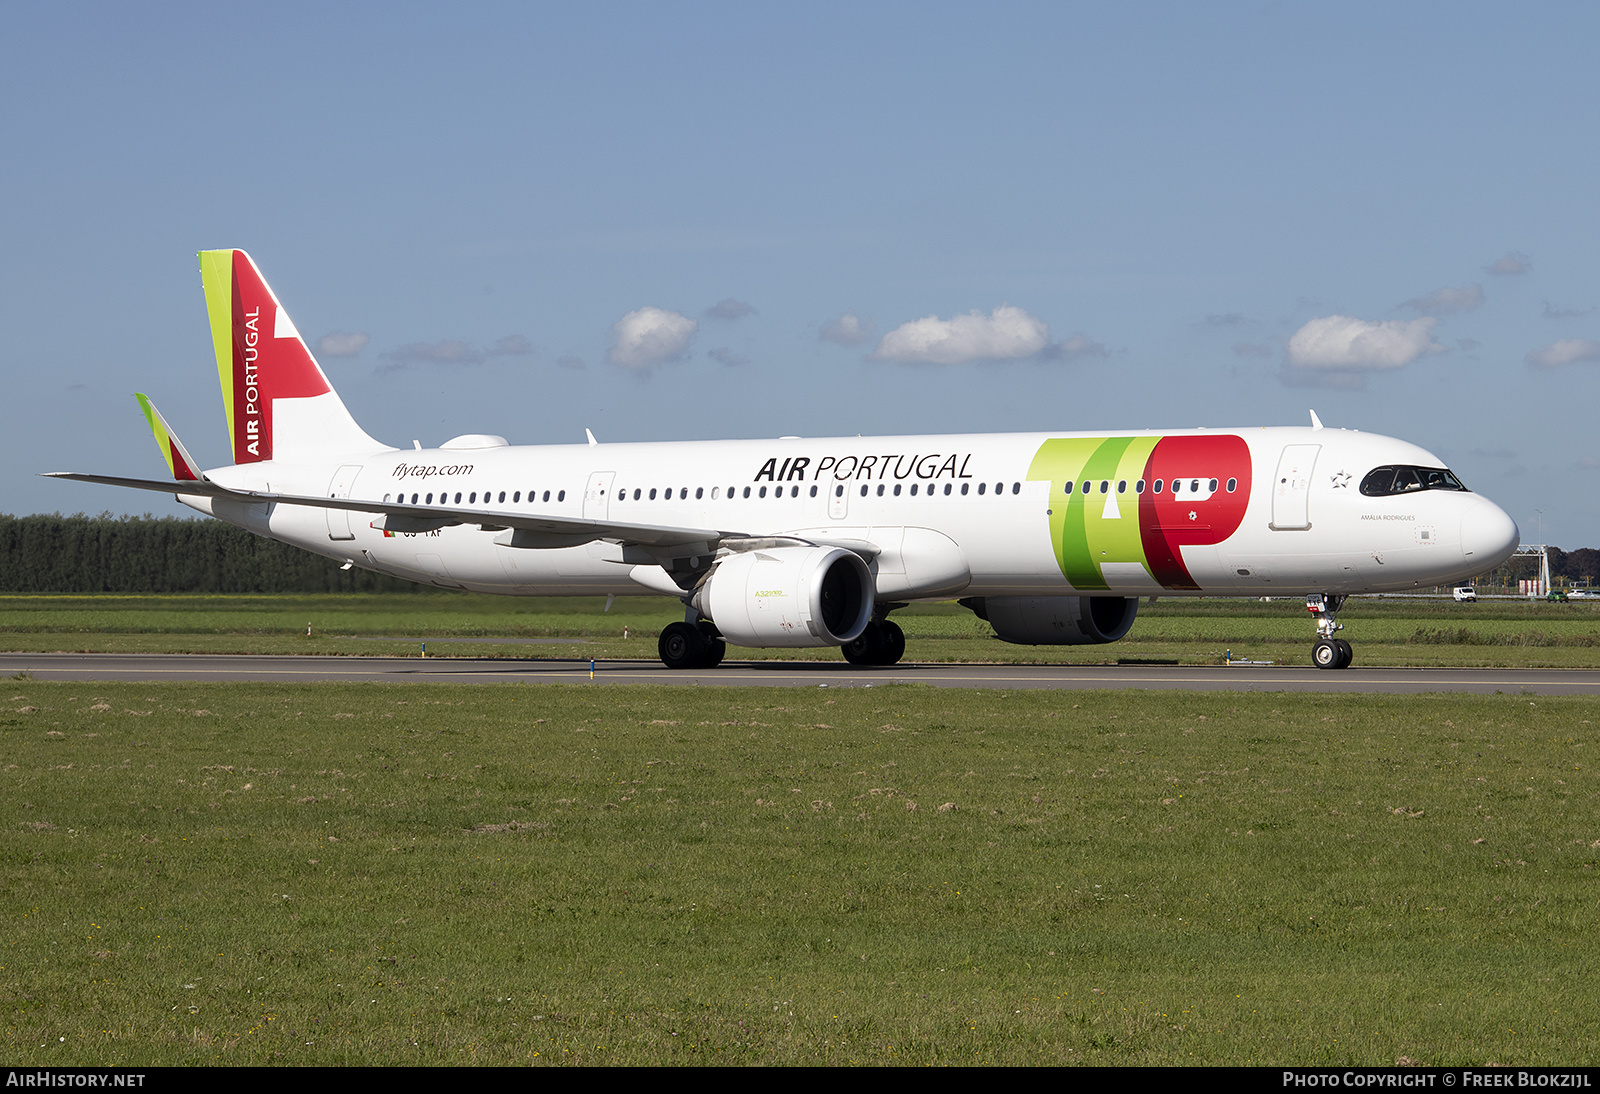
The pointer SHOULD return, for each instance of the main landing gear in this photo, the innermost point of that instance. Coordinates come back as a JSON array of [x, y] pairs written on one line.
[[697, 644], [882, 643], [691, 645], [1328, 652]]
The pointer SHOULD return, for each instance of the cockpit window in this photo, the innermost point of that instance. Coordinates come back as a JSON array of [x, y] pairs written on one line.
[[1383, 482]]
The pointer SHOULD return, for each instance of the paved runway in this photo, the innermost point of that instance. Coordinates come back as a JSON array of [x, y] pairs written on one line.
[[107, 667]]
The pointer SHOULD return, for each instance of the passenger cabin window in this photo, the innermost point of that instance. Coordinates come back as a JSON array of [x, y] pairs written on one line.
[[1383, 482]]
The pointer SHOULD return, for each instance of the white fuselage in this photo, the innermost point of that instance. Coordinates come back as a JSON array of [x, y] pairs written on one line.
[[944, 516]]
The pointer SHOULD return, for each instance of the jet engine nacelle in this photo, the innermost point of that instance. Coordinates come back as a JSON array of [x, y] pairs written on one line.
[[1056, 620], [789, 596]]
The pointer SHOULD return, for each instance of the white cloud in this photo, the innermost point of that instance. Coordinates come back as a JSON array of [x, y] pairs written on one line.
[[1565, 313], [649, 336], [1568, 351], [453, 352], [1343, 343], [848, 330], [342, 343], [1515, 262], [1007, 333], [1448, 301], [1078, 345], [730, 309], [448, 352], [512, 345]]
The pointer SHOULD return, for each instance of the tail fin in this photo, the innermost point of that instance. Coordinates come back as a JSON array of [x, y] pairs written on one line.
[[280, 405], [179, 462]]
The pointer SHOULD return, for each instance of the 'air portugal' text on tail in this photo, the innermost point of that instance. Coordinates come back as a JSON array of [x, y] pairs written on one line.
[[279, 404]]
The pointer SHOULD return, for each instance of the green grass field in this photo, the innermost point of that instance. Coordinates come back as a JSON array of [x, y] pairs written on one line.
[[1384, 632], [508, 874]]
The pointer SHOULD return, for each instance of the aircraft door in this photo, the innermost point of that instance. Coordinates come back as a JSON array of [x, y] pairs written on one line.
[[597, 496], [1291, 488], [839, 501], [339, 519]]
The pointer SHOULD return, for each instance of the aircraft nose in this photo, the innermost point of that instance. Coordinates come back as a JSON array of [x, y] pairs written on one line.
[[1488, 535]]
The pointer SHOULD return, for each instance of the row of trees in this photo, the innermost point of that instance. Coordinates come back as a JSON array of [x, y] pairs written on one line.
[[1580, 567], [106, 554]]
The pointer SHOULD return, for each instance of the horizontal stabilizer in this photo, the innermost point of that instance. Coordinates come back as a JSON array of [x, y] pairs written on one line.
[[199, 488]]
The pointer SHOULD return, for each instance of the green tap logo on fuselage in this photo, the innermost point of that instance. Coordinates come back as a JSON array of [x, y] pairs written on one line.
[[1140, 500]]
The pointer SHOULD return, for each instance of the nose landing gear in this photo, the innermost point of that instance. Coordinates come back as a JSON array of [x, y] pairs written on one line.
[[1328, 652]]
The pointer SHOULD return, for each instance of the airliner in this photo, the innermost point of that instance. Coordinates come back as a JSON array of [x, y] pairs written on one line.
[[1052, 538]]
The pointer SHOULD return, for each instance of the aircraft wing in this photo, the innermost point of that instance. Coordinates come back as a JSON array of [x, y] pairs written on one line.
[[534, 530]]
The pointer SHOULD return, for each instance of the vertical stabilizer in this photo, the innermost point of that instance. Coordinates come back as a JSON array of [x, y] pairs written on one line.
[[279, 404]]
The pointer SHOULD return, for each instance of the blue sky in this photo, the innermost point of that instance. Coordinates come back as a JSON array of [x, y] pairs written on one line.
[[699, 220]]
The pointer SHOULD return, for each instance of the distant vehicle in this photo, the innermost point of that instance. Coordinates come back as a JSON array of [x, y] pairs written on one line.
[[1556, 595], [1466, 594], [1583, 594]]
